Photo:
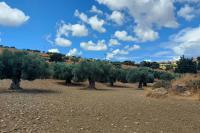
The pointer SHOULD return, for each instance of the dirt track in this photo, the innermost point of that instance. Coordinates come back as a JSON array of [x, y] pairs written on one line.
[[50, 106]]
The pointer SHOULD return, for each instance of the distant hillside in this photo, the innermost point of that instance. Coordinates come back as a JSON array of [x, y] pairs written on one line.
[[2, 47], [11, 49]]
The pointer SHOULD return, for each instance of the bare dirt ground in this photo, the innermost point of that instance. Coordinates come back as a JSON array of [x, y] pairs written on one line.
[[50, 106]]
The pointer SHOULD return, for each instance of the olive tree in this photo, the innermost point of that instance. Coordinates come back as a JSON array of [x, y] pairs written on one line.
[[90, 70], [112, 76], [122, 75], [142, 75], [64, 71], [21, 65], [109, 73]]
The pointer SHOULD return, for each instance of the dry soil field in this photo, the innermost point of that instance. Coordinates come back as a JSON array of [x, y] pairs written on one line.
[[50, 106]]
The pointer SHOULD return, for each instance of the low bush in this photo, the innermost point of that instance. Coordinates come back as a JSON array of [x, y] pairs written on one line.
[[164, 75], [157, 93], [163, 84], [167, 76], [193, 85]]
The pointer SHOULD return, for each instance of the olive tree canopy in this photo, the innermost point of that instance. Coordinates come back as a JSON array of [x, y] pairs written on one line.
[[142, 75], [91, 70], [21, 65], [64, 71]]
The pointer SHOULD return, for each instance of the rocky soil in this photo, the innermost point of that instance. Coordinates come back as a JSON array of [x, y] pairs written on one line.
[[50, 106]]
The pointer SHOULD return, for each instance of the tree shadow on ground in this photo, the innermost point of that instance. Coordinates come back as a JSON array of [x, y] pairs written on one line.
[[29, 91], [118, 86], [71, 85], [96, 89], [140, 89]]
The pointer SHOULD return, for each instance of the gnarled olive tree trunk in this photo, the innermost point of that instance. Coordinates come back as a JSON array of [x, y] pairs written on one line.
[[68, 82], [91, 83], [111, 83], [15, 85], [142, 82]]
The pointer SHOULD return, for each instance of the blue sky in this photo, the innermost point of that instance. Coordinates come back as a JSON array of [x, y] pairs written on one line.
[[155, 30]]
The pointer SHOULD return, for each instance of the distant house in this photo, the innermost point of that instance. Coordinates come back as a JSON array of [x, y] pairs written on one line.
[[168, 65]]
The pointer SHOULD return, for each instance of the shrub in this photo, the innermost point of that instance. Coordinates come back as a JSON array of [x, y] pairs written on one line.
[[193, 85], [167, 76], [164, 75], [186, 65], [163, 84]]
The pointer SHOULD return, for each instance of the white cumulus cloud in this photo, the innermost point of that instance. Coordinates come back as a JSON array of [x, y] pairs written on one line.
[[73, 52], [116, 53], [187, 12], [91, 46], [63, 42], [117, 17], [96, 23], [113, 42], [94, 9], [121, 53], [145, 34], [64, 30], [53, 51], [123, 36], [132, 48], [147, 14], [11, 16], [186, 42], [78, 30]]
